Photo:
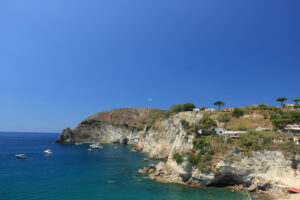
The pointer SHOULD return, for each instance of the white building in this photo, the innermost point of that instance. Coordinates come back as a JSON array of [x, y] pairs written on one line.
[[209, 109], [196, 109], [293, 128], [231, 134], [297, 140], [289, 105], [219, 131]]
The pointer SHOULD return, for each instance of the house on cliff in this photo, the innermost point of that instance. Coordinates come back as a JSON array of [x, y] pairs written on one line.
[[297, 140], [292, 128], [235, 134], [228, 109]]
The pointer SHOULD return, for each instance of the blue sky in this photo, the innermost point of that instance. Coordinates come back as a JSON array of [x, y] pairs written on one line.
[[63, 60]]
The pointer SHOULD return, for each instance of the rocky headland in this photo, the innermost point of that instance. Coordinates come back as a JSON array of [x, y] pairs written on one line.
[[270, 164]]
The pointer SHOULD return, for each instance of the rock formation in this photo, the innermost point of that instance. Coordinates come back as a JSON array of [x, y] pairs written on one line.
[[260, 170]]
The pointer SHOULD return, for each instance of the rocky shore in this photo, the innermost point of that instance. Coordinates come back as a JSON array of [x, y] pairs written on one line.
[[264, 170]]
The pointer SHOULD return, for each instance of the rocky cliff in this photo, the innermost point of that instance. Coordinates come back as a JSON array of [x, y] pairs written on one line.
[[117, 126], [163, 136]]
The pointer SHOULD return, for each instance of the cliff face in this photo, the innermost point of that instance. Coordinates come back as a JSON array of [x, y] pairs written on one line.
[[100, 132], [261, 170], [166, 136], [117, 126]]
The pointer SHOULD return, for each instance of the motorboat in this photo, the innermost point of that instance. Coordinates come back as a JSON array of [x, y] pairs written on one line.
[[20, 156], [96, 146], [78, 143], [48, 151]]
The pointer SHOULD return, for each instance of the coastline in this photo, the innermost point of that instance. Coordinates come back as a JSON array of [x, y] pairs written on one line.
[[247, 168]]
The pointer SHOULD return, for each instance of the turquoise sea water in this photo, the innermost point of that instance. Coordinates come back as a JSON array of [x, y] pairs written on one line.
[[74, 173]]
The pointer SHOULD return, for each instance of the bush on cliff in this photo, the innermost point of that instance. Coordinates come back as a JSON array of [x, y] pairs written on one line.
[[207, 123], [178, 158], [223, 118], [185, 124], [182, 107], [237, 112], [90, 122], [281, 119]]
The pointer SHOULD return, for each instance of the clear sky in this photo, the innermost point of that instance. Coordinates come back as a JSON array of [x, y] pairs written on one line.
[[63, 60]]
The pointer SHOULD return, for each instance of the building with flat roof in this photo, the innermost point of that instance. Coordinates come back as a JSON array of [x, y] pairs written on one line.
[[292, 128]]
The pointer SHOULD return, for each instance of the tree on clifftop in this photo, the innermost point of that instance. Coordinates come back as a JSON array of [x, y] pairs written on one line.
[[281, 99], [296, 101], [219, 103]]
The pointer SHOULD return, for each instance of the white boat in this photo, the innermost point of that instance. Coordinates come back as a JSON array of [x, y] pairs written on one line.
[[90, 149], [20, 156], [48, 151], [78, 143], [96, 146]]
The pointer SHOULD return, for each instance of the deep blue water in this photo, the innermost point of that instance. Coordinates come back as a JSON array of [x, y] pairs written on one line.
[[74, 173]]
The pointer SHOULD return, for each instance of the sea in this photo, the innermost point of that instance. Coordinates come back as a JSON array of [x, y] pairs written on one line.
[[73, 173]]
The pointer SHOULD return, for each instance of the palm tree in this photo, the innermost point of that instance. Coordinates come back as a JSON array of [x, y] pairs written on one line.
[[296, 101], [219, 103], [281, 99]]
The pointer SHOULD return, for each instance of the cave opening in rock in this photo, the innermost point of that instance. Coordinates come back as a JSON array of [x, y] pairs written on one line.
[[125, 141], [228, 180]]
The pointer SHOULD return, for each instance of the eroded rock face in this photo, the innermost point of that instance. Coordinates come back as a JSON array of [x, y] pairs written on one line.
[[100, 132], [168, 136], [66, 136], [259, 170]]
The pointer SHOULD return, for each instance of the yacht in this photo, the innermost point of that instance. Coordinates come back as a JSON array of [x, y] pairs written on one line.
[[20, 156], [96, 146], [48, 151]]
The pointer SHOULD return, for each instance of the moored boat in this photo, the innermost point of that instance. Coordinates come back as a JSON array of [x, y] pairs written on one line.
[[96, 146], [48, 151], [20, 156]]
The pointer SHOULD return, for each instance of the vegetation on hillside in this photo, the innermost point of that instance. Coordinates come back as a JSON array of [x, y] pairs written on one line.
[[178, 157], [182, 107], [281, 119], [210, 149]]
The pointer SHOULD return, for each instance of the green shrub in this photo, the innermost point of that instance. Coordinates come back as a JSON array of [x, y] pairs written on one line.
[[188, 107], [148, 127], [223, 118], [207, 123], [237, 112], [176, 108], [208, 132], [199, 143], [182, 107], [90, 122], [249, 141], [263, 107], [167, 114], [242, 128], [204, 153], [178, 158], [281, 119], [185, 124]]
